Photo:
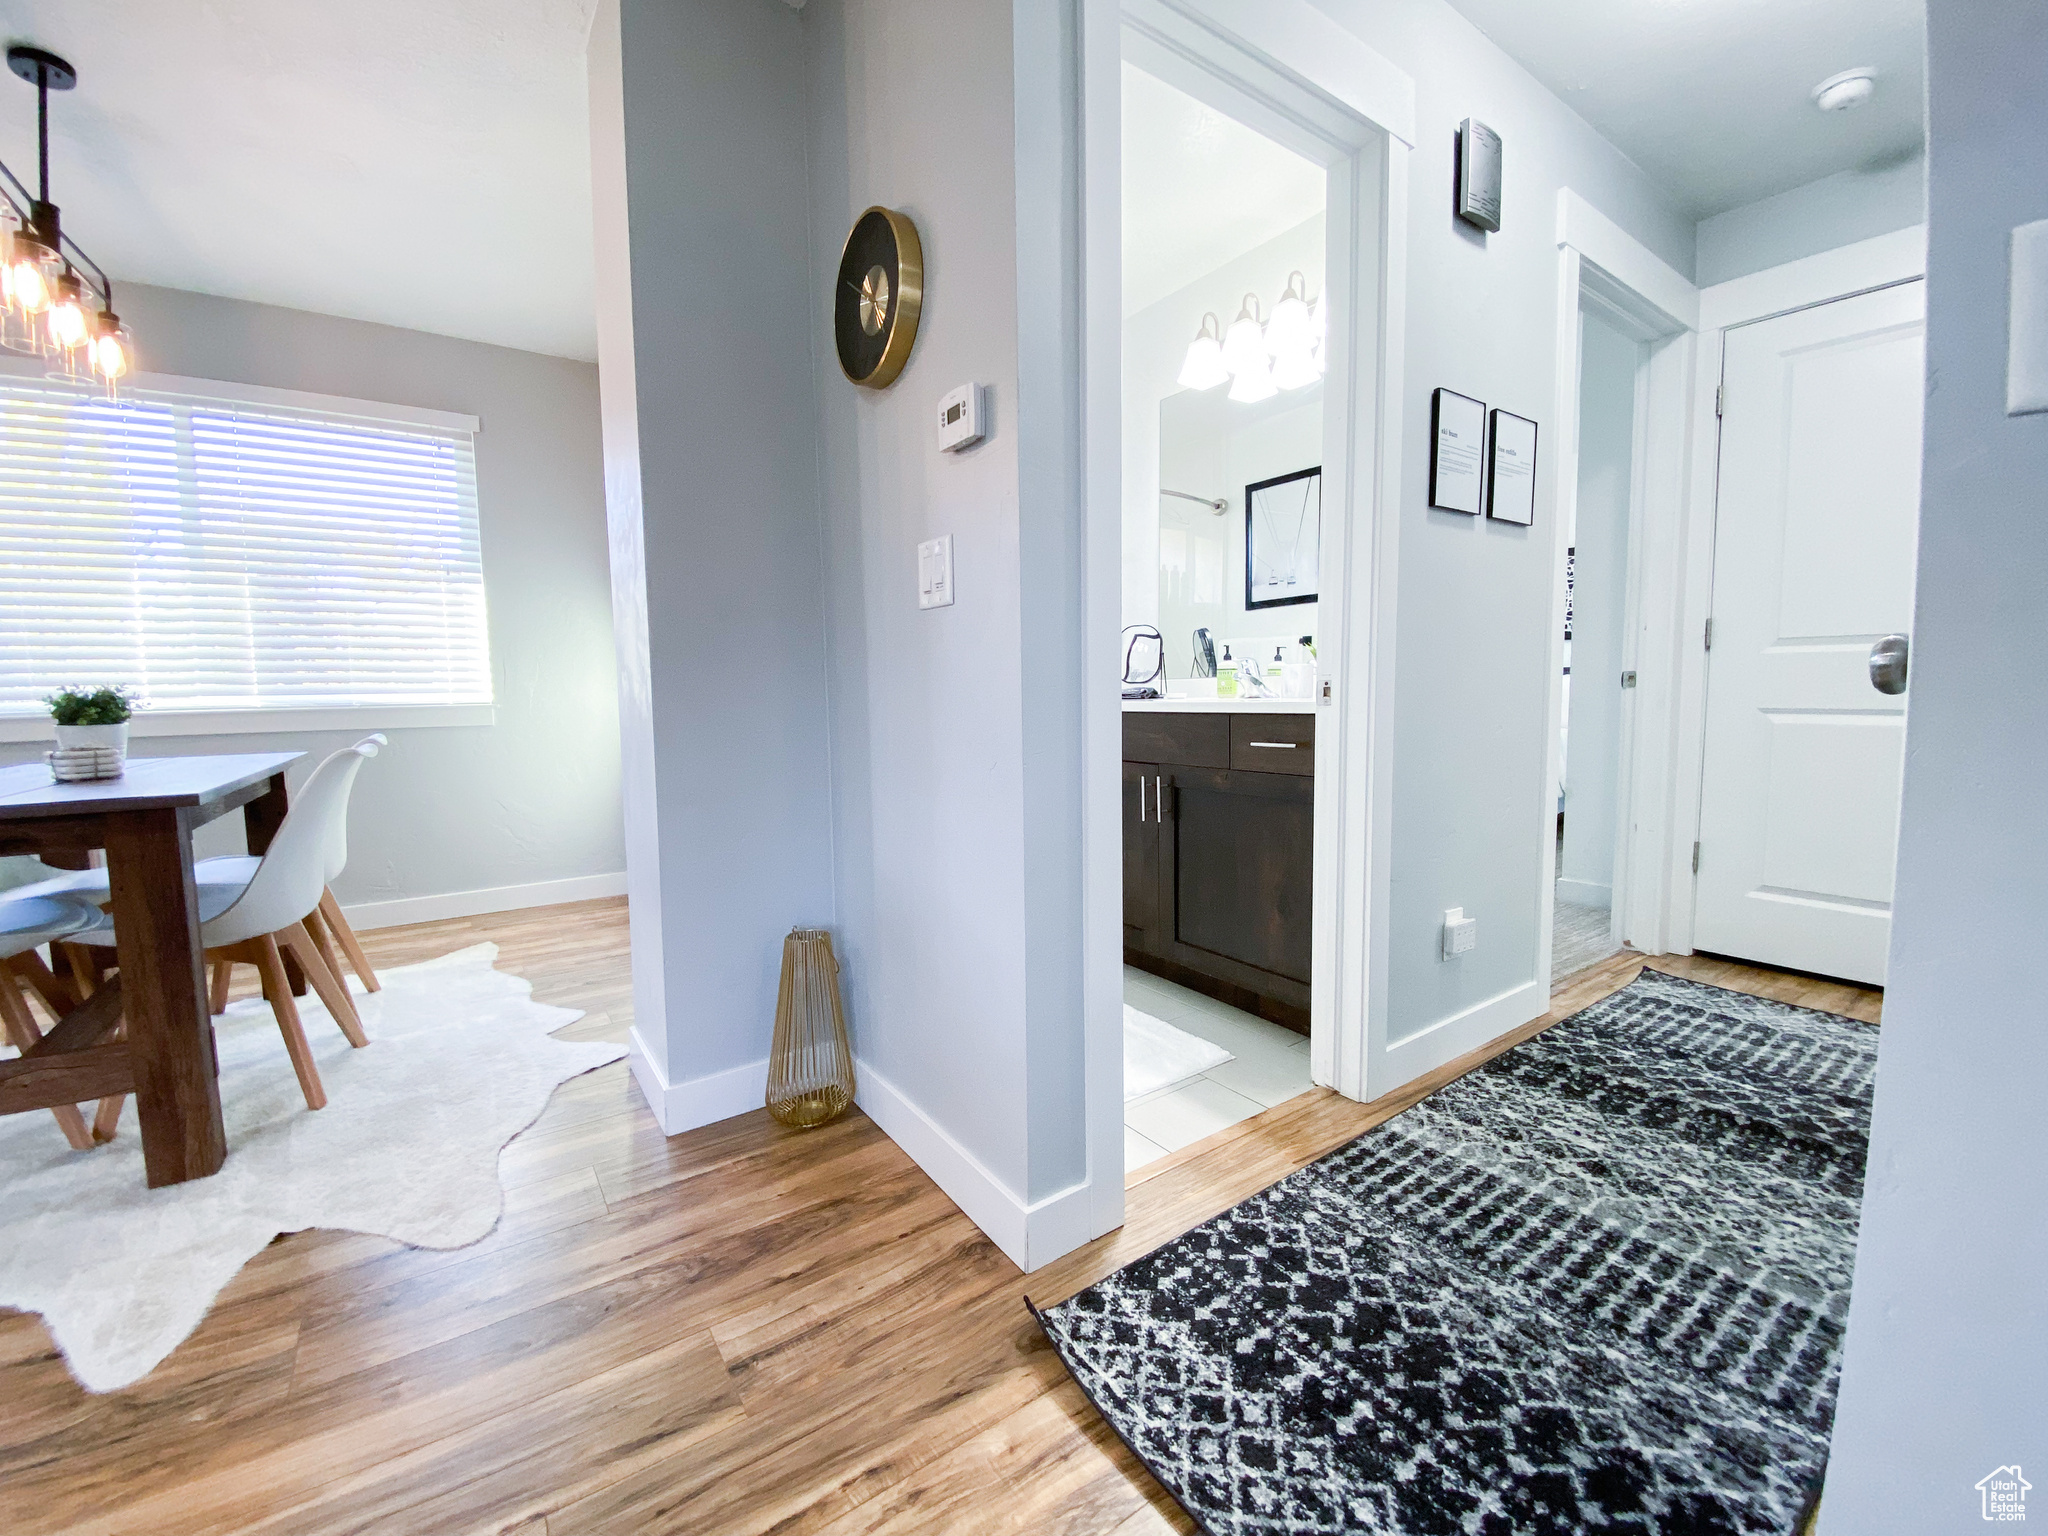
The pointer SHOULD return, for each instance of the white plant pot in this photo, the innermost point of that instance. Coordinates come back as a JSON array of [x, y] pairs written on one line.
[[115, 736]]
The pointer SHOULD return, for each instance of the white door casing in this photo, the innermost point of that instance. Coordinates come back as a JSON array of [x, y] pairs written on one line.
[[1815, 527]]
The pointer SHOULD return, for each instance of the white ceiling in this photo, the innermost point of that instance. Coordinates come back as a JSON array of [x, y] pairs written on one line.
[[1200, 189], [423, 163], [1713, 98]]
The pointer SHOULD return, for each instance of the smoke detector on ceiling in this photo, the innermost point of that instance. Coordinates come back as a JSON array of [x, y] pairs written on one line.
[[1838, 93]]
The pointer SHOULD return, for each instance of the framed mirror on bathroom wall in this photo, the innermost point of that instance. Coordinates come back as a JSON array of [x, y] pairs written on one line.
[[1222, 450]]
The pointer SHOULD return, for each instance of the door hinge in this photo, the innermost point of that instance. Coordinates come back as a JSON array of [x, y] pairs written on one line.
[[1710, 633], [1718, 397], [1695, 858]]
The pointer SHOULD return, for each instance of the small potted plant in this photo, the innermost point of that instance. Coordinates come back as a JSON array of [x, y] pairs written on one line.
[[92, 719]]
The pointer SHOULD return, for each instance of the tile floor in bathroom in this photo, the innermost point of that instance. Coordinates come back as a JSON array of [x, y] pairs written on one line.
[[1271, 1067]]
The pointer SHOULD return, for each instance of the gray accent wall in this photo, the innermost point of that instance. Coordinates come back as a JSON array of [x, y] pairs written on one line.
[[955, 730], [1946, 1356], [450, 809], [705, 337]]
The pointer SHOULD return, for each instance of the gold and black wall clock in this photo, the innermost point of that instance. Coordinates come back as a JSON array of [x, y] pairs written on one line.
[[876, 299]]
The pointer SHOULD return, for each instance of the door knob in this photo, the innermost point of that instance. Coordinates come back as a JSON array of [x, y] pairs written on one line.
[[1888, 664]]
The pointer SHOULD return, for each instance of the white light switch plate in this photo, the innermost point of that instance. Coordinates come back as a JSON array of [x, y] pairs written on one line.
[[2026, 356], [935, 572]]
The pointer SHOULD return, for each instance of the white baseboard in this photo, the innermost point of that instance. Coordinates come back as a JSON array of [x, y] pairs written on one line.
[[1448, 1039], [1032, 1235], [1584, 893], [684, 1106], [497, 898]]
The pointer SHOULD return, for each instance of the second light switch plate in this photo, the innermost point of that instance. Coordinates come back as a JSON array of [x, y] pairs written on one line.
[[935, 572]]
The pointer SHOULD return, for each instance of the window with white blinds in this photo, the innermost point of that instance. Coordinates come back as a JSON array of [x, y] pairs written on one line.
[[219, 553]]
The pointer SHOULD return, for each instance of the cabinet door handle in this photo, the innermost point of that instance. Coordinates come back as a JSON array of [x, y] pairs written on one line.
[[1158, 801], [1287, 746], [1141, 799]]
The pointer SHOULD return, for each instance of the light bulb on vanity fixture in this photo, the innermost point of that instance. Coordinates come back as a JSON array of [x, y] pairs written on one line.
[[1244, 344], [1203, 367], [1289, 329], [1253, 382], [1850, 88], [1290, 338]]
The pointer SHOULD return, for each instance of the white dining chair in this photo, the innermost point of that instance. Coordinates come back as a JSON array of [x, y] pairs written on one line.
[[253, 922], [27, 922], [325, 925]]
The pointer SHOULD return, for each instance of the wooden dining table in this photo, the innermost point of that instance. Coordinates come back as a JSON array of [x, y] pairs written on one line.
[[144, 820]]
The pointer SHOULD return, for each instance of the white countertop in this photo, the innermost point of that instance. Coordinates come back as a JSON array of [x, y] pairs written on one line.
[[1208, 706]]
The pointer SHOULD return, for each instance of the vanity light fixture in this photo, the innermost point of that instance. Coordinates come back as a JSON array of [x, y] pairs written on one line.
[[55, 301], [1203, 367], [1259, 357], [1838, 93]]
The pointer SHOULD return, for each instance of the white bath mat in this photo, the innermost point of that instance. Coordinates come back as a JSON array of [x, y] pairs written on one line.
[[459, 1062], [1156, 1055]]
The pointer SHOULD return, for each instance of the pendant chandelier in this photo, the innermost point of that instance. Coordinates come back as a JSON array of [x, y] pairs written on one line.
[[55, 302]]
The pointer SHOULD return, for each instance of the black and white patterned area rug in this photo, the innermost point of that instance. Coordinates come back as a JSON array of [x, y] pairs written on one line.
[[1596, 1285]]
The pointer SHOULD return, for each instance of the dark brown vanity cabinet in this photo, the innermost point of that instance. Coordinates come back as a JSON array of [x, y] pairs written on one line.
[[1219, 831]]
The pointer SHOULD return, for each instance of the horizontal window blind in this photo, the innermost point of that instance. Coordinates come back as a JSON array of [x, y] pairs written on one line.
[[220, 554]]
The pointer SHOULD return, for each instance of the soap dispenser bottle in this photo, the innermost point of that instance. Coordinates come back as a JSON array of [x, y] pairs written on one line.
[[1226, 675]]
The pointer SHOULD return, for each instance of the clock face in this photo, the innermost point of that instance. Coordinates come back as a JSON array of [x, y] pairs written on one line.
[[876, 298]]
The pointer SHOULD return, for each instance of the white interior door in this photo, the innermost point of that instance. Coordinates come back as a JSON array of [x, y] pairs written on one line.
[[1815, 528]]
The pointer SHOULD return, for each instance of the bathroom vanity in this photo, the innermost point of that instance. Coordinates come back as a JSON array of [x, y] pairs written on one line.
[[1219, 830]]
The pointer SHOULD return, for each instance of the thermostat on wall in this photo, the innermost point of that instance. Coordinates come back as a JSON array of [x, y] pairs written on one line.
[[963, 418]]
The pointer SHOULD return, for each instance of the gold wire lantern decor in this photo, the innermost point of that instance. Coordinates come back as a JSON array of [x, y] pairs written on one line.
[[810, 1065]]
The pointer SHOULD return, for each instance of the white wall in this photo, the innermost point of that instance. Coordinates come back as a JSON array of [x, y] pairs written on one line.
[[705, 344], [1474, 611], [534, 798], [1607, 398], [1210, 445], [1946, 1353], [1155, 342], [1835, 211]]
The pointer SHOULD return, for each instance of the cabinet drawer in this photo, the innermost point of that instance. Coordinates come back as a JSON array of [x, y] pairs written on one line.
[[1198, 741], [1273, 743]]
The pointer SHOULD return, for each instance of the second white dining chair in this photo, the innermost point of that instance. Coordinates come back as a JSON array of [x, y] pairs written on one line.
[[253, 922]]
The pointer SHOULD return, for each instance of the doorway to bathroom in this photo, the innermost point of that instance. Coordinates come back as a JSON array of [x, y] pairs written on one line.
[[1224, 238]]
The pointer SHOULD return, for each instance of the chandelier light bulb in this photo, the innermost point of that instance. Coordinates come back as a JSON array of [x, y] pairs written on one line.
[[113, 349], [1203, 366], [68, 326], [1244, 344], [31, 287]]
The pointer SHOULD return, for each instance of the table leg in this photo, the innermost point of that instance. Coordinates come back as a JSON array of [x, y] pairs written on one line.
[[261, 818], [170, 1037]]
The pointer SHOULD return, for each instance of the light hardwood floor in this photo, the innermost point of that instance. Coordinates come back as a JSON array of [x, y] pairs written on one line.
[[743, 1329]]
